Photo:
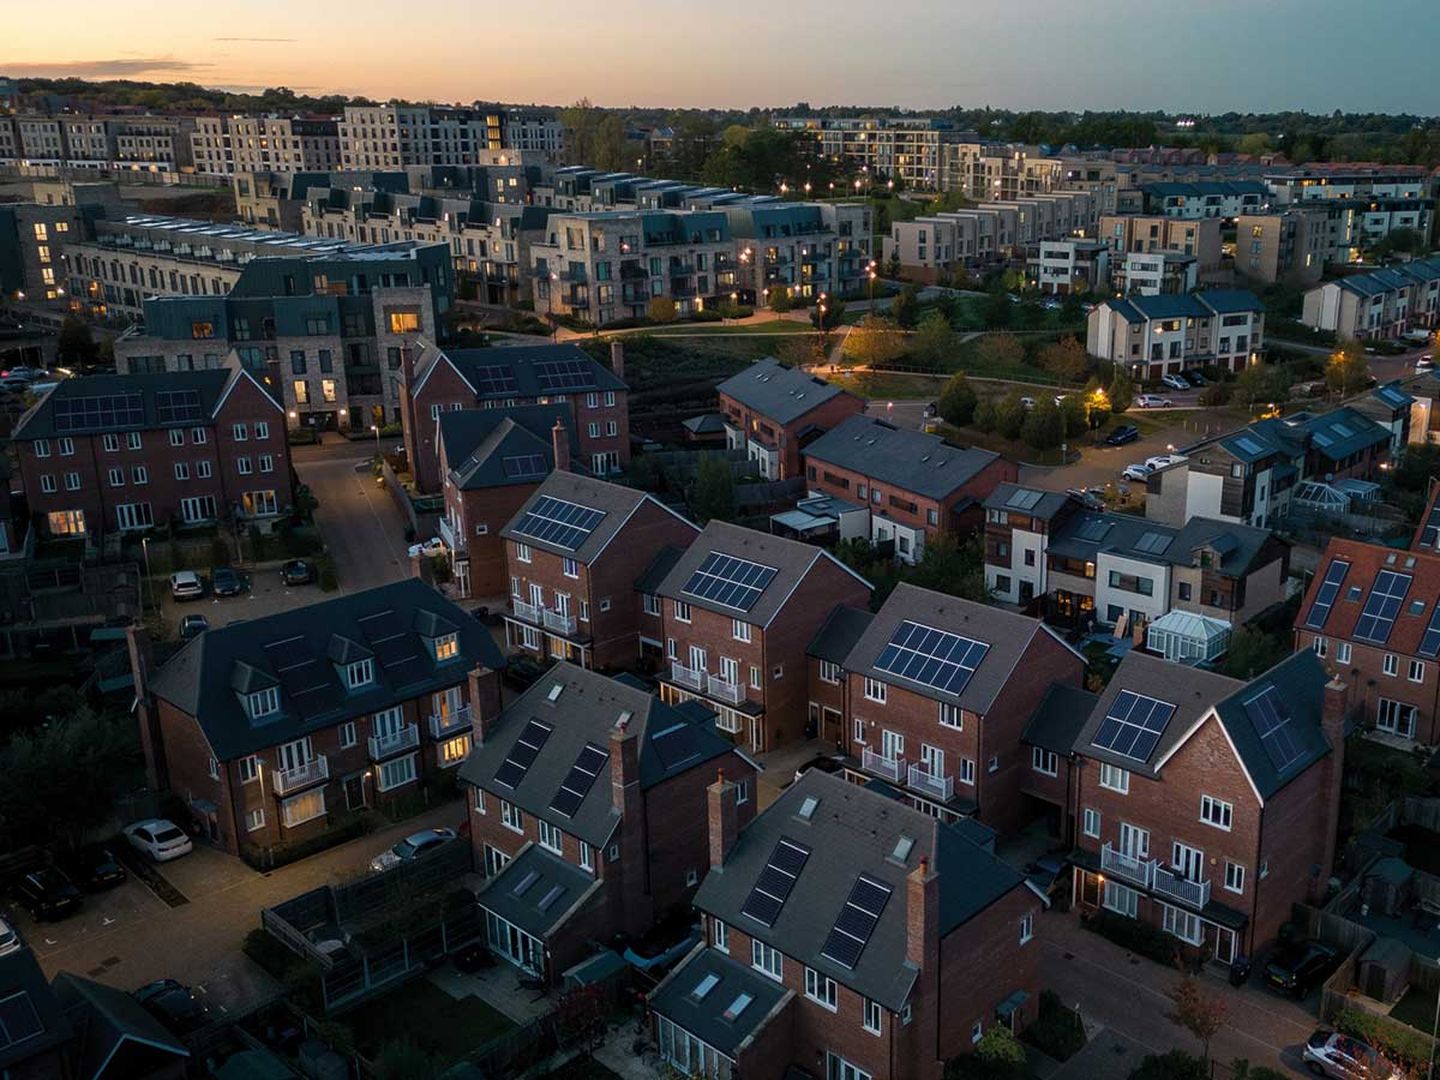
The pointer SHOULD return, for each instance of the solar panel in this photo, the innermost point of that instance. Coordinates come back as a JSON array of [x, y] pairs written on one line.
[[523, 754], [494, 380], [1271, 717], [18, 1019], [524, 466], [1322, 440], [1430, 643], [580, 779], [309, 683], [1133, 726], [1024, 499], [1381, 607], [396, 649], [934, 658], [98, 413], [731, 582], [177, 406], [772, 888], [1430, 535], [856, 922], [1249, 445], [555, 521], [1094, 531], [1326, 594], [1153, 543], [554, 375]]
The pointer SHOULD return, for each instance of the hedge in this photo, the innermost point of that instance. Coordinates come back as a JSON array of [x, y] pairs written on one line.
[[1058, 1031], [1137, 936], [1408, 1047]]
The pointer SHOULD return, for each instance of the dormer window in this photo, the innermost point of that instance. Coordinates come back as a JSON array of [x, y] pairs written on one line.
[[263, 703], [447, 647], [360, 673]]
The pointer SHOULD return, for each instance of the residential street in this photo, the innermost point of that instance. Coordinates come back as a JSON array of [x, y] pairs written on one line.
[[358, 519]]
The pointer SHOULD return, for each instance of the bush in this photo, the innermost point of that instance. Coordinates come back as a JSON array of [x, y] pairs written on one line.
[[1217, 393], [1058, 1031], [1176, 1065], [957, 401], [1240, 1069], [1404, 1045], [1138, 937], [998, 1056], [329, 580], [284, 853]]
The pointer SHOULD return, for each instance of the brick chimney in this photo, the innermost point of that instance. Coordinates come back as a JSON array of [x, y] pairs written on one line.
[[142, 656], [724, 813], [617, 358], [922, 917], [633, 900], [484, 701], [1334, 709], [560, 442]]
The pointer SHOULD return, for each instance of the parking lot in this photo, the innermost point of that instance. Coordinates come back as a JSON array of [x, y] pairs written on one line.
[[266, 595]]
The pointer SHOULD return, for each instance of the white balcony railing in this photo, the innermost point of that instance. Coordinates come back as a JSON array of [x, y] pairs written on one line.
[[561, 624], [1195, 894], [452, 540], [531, 613], [313, 771], [685, 676], [877, 763], [453, 721], [382, 746], [723, 689], [1139, 871], [937, 787]]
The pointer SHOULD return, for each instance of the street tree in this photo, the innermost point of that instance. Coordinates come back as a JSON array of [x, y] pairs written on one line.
[[1198, 1011], [1001, 351], [713, 493], [1010, 415], [905, 307], [997, 313], [1347, 370], [934, 341], [1065, 359], [1121, 391], [958, 401], [876, 340], [1044, 426]]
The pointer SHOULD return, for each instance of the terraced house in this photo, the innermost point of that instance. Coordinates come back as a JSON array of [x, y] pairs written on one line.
[[773, 411], [587, 813], [1166, 334], [268, 729]]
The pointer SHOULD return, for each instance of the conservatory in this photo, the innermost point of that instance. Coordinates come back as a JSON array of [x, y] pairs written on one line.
[[1187, 638]]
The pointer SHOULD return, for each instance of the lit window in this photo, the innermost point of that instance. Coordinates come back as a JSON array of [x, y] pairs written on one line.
[[446, 647]]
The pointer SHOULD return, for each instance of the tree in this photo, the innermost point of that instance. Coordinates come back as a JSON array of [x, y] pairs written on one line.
[[1121, 391], [905, 307], [1261, 382], [947, 566], [934, 341], [1065, 359], [713, 493], [780, 301], [1251, 652], [1029, 315], [75, 345], [1095, 403], [1010, 415], [832, 317], [996, 313], [405, 1060], [1071, 310], [1000, 351], [803, 350], [985, 419], [1347, 370], [1075, 415], [998, 1056], [661, 309], [876, 340], [1044, 427], [1198, 1011], [1254, 144], [597, 136], [958, 401]]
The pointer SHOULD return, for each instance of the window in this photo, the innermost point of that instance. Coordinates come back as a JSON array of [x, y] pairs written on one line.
[[1091, 822], [829, 672], [112, 444], [267, 463], [182, 470], [302, 392], [1114, 778], [522, 552], [1391, 664], [872, 1016], [177, 437], [446, 647], [742, 792], [612, 428], [480, 801], [740, 630], [551, 838], [1044, 761], [511, 817], [67, 447], [303, 808], [1342, 652], [593, 431], [117, 477], [360, 673], [42, 447], [821, 989], [587, 857], [262, 430], [1183, 924], [720, 932], [994, 763], [241, 432], [140, 474], [651, 604], [1215, 812], [951, 716], [682, 611], [1234, 877], [395, 772], [47, 482], [570, 568], [255, 819], [72, 481], [327, 390], [967, 770], [348, 737], [766, 960], [199, 436], [404, 322], [874, 690], [214, 769], [1417, 671], [249, 769], [977, 1031], [132, 440], [1027, 927], [1121, 898], [857, 730]]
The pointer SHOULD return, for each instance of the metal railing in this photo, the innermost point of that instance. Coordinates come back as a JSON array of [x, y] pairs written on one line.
[[383, 746], [875, 762], [561, 624], [531, 613], [455, 720], [313, 771], [685, 676], [724, 689], [1194, 894], [922, 780], [1139, 871]]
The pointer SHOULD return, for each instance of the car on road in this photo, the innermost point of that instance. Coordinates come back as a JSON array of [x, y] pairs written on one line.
[[193, 626], [1153, 401], [1027, 402], [159, 839], [1298, 967], [415, 844], [173, 1005], [1060, 399], [186, 585], [1125, 433], [428, 549], [829, 763], [297, 572], [1161, 461], [225, 581], [1175, 382], [47, 894], [95, 869], [1328, 1053], [1136, 472], [9, 939], [1425, 363]]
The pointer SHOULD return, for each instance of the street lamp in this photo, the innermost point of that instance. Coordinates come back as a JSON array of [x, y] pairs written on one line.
[[550, 307], [376, 428]]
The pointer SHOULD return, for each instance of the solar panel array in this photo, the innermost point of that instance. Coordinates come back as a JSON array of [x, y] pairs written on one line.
[[556, 375], [1249, 445], [1383, 604], [523, 754], [18, 1020], [524, 466], [734, 583], [1133, 726], [773, 886], [1271, 717], [1430, 643], [555, 521], [1430, 534], [98, 413], [934, 658], [1326, 594], [1024, 499], [1154, 543], [580, 779], [177, 406], [309, 682], [1095, 530], [494, 380], [396, 649], [856, 922]]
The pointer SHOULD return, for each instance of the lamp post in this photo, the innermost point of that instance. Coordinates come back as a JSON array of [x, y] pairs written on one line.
[[871, 271], [550, 306], [376, 428], [820, 310], [149, 574]]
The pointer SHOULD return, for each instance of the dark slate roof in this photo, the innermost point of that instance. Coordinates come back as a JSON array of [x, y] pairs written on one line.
[[1164, 306], [1393, 396], [705, 424], [663, 562], [1091, 533], [778, 391], [615, 501], [520, 362], [1300, 682], [586, 710], [518, 892], [1007, 634], [206, 678], [704, 1017], [1230, 301], [910, 461], [1341, 432], [853, 830], [839, 633], [106, 1020], [1058, 718], [20, 974], [478, 441], [1019, 499], [791, 560]]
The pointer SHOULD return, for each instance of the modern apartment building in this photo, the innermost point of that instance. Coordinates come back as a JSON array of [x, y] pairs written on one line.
[[1060, 267], [34, 237], [772, 412], [804, 248], [1206, 199], [913, 151], [1157, 273], [1155, 234], [1343, 182], [1384, 303], [536, 133], [393, 136], [1290, 245], [99, 142], [269, 729], [225, 145], [1158, 335]]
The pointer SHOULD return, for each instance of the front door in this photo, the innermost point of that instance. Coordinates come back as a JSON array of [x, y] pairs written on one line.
[[698, 659], [537, 596], [355, 792], [933, 760]]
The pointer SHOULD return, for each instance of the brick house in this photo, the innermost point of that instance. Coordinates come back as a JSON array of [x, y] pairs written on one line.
[[940, 690], [110, 454], [917, 486], [270, 730], [746, 605], [1372, 614], [574, 551], [439, 380], [587, 813], [848, 936], [1207, 806], [825, 672], [492, 460], [773, 411]]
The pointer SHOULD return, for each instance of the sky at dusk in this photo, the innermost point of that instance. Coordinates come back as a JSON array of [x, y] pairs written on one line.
[[1213, 56]]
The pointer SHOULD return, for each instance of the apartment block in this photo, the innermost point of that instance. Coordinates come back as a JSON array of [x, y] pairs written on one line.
[[1158, 335], [574, 551], [1153, 234], [914, 151], [1061, 267], [781, 982], [772, 412], [1158, 273], [804, 248], [539, 133], [1384, 303], [588, 814], [108, 454], [1205, 199], [1344, 182], [1290, 246], [225, 145], [270, 728], [34, 237], [997, 171], [393, 136]]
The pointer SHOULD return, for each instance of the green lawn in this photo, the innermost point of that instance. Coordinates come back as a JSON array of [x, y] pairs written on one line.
[[889, 385], [767, 326], [422, 1013]]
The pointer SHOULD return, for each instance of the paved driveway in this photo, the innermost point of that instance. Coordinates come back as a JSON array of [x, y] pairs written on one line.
[[361, 524]]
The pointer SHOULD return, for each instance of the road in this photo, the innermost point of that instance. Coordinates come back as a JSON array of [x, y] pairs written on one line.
[[359, 520]]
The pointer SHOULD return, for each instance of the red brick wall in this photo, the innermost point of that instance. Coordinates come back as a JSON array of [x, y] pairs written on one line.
[[613, 576], [824, 416], [1367, 666], [1292, 843], [492, 507], [601, 415], [981, 964], [826, 695], [445, 388], [187, 764]]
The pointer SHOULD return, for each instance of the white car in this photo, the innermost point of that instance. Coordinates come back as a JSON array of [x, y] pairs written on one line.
[[428, 549], [1160, 461], [161, 840], [1153, 401], [1136, 472], [1425, 363], [9, 939], [186, 585], [1328, 1053], [1175, 382], [1027, 402], [415, 844]]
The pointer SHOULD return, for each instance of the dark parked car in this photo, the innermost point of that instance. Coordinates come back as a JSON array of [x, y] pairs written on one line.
[[1125, 433], [95, 869], [226, 582], [297, 572], [48, 894], [172, 1004], [193, 626], [1300, 966]]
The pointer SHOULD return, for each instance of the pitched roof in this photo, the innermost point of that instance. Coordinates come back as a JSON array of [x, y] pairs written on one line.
[[910, 461], [1427, 533], [1091, 533], [1298, 681], [709, 1017], [663, 562], [537, 890], [1058, 718], [838, 634], [23, 983], [1032, 502], [295, 651], [853, 830], [520, 371], [106, 1020], [580, 708], [1339, 433], [1367, 561], [1230, 301], [497, 447], [615, 502], [778, 391]]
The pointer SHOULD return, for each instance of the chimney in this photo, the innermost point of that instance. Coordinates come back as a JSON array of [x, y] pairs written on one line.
[[922, 917], [617, 358], [484, 701], [560, 440], [724, 819], [142, 655], [624, 766], [1334, 708]]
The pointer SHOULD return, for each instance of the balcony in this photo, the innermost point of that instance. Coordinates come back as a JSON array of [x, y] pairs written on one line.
[[681, 269], [723, 689], [890, 768], [1195, 894], [314, 771], [685, 676], [530, 613], [444, 726], [560, 623], [1117, 863], [936, 787], [384, 746], [448, 534], [632, 271]]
